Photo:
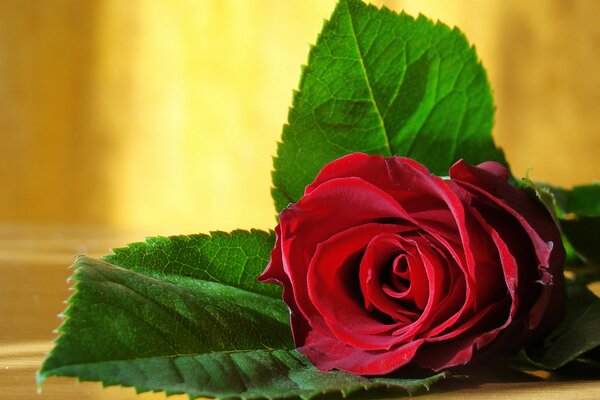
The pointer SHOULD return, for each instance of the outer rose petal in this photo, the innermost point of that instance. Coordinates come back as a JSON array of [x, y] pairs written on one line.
[[274, 273], [490, 183], [327, 353]]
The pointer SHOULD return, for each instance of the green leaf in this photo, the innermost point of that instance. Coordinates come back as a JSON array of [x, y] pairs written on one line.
[[382, 83], [579, 209], [118, 314], [235, 258], [576, 334], [183, 315], [584, 235], [249, 375], [583, 200]]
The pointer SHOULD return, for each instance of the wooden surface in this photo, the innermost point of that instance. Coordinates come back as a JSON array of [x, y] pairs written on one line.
[[33, 287]]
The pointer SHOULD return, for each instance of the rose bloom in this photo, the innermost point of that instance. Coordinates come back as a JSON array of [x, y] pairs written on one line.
[[383, 265]]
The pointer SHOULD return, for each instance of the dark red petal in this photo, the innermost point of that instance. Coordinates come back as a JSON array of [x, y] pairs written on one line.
[[534, 219], [493, 312], [539, 226], [274, 273], [445, 355], [506, 258], [457, 346], [487, 272], [496, 169], [303, 228], [327, 353], [333, 288], [375, 268], [439, 211], [450, 308], [410, 174], [464, 287], [500, 314], [437, 276], [356, 165]]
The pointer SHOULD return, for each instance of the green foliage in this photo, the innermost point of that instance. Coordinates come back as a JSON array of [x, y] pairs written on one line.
[[235, 258], [583, 200], [579, 209], [584, 235], [168, 321], [117, 314], [382, 83], [577, 333]]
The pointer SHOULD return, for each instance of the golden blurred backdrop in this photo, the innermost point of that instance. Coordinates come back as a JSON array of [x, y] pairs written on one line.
[[163, 115]]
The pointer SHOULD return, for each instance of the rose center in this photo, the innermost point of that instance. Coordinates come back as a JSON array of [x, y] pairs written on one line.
[[394, 280], [399, 276]]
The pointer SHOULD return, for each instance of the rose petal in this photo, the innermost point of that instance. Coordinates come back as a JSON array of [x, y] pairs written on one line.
[[302, 228], [452, 350], [496, 169], [274, 273], [437, 278], [445, 355], [355, 165], [383, 263], [327, 353], [334, 289], [372, 269], [539, 226]]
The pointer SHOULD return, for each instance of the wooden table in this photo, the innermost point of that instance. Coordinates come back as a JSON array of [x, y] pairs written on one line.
[[33, 287]]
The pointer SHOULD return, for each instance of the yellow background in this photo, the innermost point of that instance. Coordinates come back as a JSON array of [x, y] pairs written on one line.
[[163, 115]]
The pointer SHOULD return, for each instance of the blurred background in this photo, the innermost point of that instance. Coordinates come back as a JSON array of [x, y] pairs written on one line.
[[162, 115]]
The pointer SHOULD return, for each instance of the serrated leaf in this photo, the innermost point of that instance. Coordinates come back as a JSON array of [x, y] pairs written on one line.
[[178, 319], [256, 374], [576, 334], [382, 83], [118, 314]]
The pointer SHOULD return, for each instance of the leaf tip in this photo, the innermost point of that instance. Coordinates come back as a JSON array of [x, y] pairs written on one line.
[[40, 377]]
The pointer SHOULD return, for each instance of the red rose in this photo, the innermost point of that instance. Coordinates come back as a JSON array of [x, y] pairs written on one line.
[[383, 265]]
